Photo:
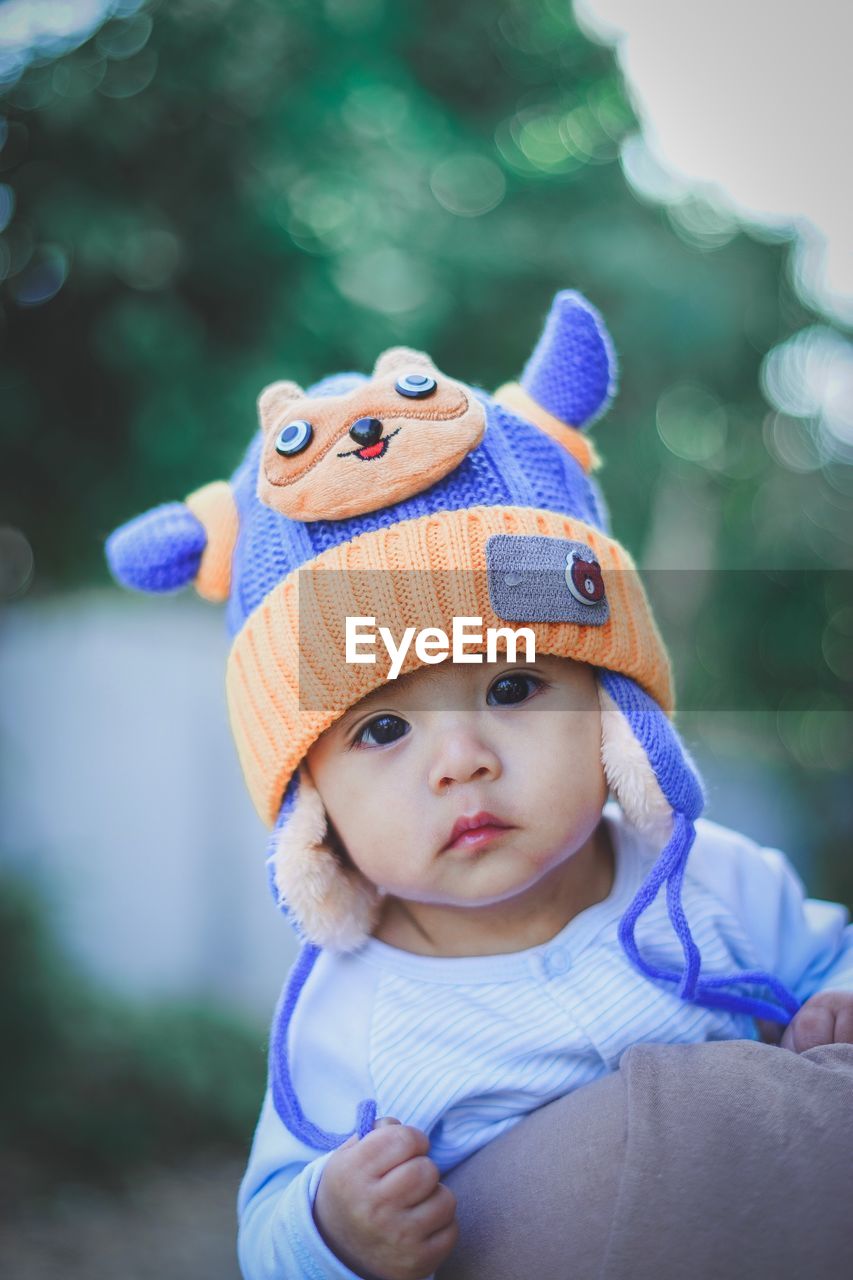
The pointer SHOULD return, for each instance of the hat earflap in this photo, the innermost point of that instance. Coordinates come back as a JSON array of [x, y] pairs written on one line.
[[328, 902], [629, 774]]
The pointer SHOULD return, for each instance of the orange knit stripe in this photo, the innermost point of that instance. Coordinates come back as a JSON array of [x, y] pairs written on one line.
[[287, 678], [213, 504], [517, 400]]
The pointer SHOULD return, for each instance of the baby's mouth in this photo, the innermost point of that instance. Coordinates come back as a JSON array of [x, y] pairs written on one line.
[[476, 831], [370, 451]]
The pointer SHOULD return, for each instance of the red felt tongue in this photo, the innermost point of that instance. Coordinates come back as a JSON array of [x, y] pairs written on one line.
[[371, 450]]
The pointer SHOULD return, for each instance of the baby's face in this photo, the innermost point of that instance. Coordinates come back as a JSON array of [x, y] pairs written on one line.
[[511, 749]]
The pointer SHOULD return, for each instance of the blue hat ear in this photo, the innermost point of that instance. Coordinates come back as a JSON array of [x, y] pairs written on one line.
[[160, 550], [572, 371]]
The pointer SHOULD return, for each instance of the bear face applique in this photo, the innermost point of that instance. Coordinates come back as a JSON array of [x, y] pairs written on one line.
[[331, 457]]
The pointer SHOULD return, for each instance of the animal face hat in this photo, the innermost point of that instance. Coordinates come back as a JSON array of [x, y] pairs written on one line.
[[492, 500]]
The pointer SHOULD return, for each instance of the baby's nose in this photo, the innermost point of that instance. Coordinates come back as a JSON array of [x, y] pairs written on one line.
[[366, 431]]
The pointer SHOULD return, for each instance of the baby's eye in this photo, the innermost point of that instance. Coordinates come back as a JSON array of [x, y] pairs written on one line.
[[381, 730], [512, 688]]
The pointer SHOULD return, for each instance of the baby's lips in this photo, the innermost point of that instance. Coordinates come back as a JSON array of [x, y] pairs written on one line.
[[471, 823]]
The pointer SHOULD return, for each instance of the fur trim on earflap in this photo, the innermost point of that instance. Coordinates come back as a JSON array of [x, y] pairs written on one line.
[[629, 774], [335, 905]]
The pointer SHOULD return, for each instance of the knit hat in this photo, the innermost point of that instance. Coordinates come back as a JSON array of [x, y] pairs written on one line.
[[412, 497]]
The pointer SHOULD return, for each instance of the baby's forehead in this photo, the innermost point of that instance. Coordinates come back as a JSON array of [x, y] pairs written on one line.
[[448, 679]]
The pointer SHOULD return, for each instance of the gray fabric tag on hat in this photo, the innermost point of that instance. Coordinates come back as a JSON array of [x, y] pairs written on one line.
[[533, 578]]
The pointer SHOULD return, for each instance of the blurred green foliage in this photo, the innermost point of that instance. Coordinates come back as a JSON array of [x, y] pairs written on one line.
[[247, 191], [91, 1087]]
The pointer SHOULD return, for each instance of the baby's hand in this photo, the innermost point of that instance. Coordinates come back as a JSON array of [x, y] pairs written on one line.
[[826, 1018], [381, 1208]]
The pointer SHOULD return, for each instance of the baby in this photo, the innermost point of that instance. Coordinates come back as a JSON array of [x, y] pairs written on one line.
[[487, 862], [494, 980]]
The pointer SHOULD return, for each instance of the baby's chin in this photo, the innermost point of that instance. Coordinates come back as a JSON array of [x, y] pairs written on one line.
[[480, 887]]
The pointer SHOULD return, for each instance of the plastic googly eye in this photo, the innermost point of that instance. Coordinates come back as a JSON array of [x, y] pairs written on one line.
[[415, 385], [293, 438]]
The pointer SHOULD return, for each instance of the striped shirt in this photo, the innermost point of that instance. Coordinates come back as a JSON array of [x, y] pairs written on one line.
[[462, 1048]]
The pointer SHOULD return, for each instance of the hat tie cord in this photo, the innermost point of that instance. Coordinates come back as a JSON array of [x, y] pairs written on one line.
[[281, 1082], [707, 991]]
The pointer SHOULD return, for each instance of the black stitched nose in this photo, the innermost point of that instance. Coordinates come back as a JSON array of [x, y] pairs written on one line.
[[366, 431]]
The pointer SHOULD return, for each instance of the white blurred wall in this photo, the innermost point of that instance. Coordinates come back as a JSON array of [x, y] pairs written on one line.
[[120, 793]]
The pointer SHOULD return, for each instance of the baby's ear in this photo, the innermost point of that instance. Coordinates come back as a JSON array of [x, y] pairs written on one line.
[[274, 400], [401, 358]]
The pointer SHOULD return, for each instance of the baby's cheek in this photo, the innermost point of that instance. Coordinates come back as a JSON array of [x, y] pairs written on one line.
[[565, 774], [379, 836]]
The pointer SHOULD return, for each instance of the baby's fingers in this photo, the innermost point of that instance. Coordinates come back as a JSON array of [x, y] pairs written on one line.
[[412, 1182], [826, 1018], [389, 1145], [844, 1022], [436, 1212], [812, 1026], [437, 1247]]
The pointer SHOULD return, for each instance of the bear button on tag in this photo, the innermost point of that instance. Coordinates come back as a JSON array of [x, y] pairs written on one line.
[[533, 578]]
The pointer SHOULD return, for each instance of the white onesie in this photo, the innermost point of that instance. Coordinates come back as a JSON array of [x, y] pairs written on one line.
[[462, 1048]]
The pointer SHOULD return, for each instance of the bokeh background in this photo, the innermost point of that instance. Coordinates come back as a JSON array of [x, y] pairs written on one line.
[[201, 196]]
